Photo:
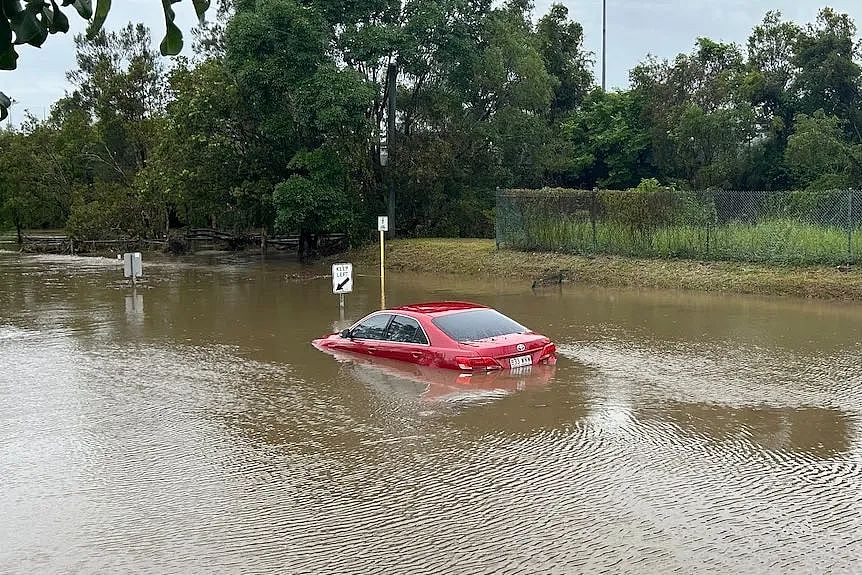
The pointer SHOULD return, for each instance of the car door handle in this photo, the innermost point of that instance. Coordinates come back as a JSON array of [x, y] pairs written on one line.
[[417, 354]]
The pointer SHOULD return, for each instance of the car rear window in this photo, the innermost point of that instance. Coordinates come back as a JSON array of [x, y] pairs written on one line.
[[477, 324]]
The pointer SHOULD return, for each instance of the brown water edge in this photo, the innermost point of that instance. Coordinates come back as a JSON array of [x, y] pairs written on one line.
[[193, 429]]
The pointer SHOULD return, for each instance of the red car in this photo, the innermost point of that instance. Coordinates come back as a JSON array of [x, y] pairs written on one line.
[[449, 334]]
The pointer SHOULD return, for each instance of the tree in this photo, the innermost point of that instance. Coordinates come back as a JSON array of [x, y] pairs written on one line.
[[301, 106], [560, 41], [818, 149], [205, 154], [829, 76], [700, 122], [772, 71], [313, 200], [120, 84], [27, 197], [610, 143]]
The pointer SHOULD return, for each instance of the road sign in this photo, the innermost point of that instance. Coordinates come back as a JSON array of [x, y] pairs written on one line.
[[382, 223], [132, 266], [342, 278]]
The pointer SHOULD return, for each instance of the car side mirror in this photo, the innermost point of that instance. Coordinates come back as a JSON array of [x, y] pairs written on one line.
[[346, 334]]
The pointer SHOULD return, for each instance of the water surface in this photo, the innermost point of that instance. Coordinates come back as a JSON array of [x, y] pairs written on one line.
[[190, 428]]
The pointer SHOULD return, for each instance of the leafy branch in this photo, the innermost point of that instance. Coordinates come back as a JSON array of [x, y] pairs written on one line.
[[31, 22]]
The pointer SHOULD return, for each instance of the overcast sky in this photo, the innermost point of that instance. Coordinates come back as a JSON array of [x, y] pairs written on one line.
[[635, 28]]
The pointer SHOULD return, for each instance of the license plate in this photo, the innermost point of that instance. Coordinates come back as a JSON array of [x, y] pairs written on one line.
[[521, 361]]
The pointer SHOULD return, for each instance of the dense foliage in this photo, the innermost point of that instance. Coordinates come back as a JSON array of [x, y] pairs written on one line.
[[277, 120]]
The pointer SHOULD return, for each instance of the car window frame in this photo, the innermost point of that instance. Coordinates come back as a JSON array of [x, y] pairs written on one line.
[[368, 317], [419, 323]]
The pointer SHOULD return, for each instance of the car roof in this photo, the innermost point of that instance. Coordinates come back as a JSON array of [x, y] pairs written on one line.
[[439, 307]]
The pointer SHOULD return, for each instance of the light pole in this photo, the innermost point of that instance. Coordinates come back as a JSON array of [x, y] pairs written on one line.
[[604, 41], [392, 88]]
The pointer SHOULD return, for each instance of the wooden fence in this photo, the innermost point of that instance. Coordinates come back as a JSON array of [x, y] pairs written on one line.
[[195, 239]]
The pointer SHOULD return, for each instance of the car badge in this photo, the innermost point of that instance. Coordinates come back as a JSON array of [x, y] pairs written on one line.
[[521, 347]]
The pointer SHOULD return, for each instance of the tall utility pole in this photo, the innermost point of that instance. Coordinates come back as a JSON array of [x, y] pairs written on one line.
[[604, 41], [391, 88]]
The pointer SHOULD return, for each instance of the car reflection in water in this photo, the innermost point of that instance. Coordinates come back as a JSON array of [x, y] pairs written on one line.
[[398, 379]]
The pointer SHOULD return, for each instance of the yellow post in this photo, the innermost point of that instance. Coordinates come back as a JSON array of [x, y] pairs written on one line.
[[382, 276]]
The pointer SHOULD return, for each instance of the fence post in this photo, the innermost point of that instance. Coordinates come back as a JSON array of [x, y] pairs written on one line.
[[849, 225], [497, 224], [708, 220], [593, 219]]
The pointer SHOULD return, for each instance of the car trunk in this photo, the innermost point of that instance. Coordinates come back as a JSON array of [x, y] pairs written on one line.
[[508, 346]]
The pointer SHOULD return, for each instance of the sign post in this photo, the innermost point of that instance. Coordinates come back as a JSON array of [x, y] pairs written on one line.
[[342, 282], [382, 226]]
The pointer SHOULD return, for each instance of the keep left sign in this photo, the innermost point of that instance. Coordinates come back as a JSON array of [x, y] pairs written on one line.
[[342, 278]]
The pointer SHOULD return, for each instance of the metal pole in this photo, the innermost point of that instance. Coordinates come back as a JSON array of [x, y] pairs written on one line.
[[392, 89], [604, 41], [382, 276], [341, 307]]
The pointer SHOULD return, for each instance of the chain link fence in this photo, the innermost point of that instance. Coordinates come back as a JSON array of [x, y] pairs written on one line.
[[786, 227]]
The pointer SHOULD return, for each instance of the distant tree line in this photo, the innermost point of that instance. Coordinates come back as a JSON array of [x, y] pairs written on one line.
[[276, 118]]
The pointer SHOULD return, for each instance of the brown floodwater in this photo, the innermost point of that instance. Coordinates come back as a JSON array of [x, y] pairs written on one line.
[[191, 428]]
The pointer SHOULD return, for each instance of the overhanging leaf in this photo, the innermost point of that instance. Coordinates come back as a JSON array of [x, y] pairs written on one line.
[[84, 8], [5, 102], [201, 7], [102, 9], [8, 57], [172, 44], [59, 22], [27, 28]]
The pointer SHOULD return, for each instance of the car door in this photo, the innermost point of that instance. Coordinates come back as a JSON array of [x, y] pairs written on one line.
[[405, 341], [369, 333]]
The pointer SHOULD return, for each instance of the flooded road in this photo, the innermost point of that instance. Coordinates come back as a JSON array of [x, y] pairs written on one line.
[[191, 428]]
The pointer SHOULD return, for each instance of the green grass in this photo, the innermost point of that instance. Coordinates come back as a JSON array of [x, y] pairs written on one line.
[[480, 257], [780, 241]]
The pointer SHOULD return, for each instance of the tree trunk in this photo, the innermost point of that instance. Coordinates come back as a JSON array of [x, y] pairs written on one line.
[[307, 246], [20, 234], [301, 246]]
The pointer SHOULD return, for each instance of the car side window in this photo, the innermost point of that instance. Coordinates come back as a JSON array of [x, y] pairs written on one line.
[[372, 328], [405, 330]]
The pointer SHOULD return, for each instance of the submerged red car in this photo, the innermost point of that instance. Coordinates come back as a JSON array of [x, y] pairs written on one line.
[[449, 334]]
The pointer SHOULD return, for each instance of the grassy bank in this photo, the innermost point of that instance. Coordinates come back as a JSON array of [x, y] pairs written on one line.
[[480, 256], [777, 241]]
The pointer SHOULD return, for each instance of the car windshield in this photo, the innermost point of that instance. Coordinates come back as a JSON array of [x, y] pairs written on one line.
[[477, 324]]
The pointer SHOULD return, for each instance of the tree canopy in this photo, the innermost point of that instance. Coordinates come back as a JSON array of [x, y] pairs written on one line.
[[277, 120]]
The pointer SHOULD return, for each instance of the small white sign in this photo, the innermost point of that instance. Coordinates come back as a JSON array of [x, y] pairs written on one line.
[[342, 278], [382, 223], [132, 266]]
